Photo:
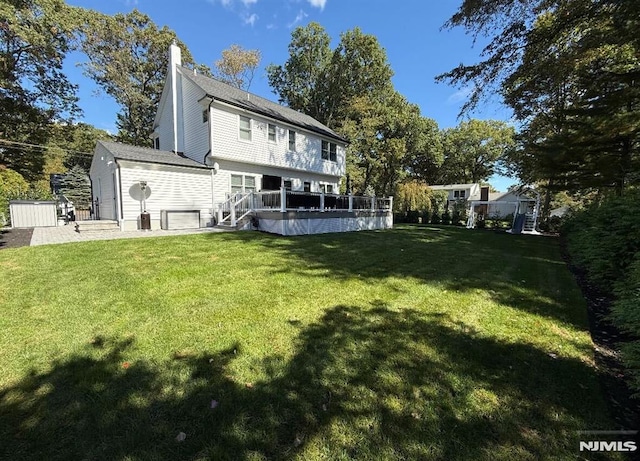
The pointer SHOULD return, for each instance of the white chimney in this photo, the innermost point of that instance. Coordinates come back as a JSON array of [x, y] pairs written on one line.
[[175, 59], [175, 56]]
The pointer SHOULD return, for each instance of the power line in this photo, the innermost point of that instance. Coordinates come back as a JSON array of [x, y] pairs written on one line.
[[16, 144]]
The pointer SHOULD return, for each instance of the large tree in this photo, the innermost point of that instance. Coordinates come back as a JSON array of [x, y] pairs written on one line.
[[472, 150], [349, 89], [322, 82], [128, 59], [35, 36], [569, 69], [237, 66], [301, 83]]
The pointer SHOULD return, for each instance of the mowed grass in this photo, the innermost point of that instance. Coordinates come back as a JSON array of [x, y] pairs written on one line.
[[432, 343]]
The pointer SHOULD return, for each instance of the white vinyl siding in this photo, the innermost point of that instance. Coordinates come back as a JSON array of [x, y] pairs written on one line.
[[196, 142], [227, 145], [165, 129], [172, 188]]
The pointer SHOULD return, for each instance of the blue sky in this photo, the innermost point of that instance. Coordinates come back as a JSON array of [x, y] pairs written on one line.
[[409, 30]]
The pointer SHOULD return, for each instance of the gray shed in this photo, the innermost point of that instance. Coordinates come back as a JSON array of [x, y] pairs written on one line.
[[33, 213]]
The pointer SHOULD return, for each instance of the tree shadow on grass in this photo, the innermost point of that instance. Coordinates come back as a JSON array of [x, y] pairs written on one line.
[[524, 272], [364, 383]]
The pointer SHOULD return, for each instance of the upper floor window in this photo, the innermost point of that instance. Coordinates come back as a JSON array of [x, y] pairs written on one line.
[[326, 188], [156, 143], [287, 184], [245, 128], [307, 187], [292, 140], [460, 194], [329, 151], [272, 133], [205, 116]]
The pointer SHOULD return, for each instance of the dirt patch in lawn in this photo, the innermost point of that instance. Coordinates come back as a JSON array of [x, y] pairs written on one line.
[[14, 238]]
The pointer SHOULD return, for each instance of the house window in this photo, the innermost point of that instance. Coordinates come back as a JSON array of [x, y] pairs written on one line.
[[307, 187], [287, 184], [205, 116], [249, 184], [333, 156], [245, 128], [272, 133], [326, 188], [456, 194], [292, 140], [241, 184], [329, 189], [462, 193], [156, 143], [329, 151], [236, 184], [325, 150]]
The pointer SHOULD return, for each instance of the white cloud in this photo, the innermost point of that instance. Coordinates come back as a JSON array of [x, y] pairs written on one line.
[[250, 19], [318, 3], [248, 3], [299, 17], [461, 95]]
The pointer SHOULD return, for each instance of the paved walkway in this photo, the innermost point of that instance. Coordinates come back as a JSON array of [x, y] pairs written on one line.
[[67, 234]]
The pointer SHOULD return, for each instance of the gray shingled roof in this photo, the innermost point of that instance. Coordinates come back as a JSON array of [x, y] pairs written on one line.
[[147, 155], [222, 92]]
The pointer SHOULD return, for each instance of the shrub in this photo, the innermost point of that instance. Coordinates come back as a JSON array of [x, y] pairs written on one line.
[[626, 315], [603, 239], [12, 186], [552, 225], [446, 217], [435, 218]]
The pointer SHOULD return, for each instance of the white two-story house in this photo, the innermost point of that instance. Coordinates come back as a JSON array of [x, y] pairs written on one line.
[[214, 142]]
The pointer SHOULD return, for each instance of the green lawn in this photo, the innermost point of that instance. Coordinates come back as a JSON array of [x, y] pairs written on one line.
[[417, 343]]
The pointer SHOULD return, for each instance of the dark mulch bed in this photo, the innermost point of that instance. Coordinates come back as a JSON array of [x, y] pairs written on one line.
[[14, 238], [624, 409]]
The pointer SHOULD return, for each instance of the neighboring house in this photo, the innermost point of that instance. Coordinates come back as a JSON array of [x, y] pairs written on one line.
[[502, 204], [457, 192], [214, 145]]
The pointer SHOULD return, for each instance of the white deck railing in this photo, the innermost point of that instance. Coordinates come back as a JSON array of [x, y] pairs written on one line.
[[240, 205]]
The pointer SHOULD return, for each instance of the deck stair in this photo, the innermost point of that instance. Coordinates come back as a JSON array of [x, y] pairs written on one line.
[[97, 225]]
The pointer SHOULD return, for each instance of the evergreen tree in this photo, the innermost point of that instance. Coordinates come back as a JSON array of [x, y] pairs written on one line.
[[77, 187]]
